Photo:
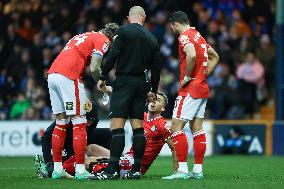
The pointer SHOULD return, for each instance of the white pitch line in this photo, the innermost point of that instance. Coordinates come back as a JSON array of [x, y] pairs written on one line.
[[16, 168]]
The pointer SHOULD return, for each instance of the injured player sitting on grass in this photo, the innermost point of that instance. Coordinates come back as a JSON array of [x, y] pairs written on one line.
[[157, 133]]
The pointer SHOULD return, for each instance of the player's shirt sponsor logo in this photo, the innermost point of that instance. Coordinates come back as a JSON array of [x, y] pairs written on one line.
[[69, 105], [153, 128]]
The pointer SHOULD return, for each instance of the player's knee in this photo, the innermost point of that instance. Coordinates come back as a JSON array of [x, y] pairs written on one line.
[[197, 125], [117, 123], [177, 125], [136, 123], [63, 122], [79, 120], [61, 116]]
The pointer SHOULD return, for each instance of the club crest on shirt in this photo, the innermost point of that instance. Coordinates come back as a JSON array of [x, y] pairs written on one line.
[[153, 128], [69, 105]]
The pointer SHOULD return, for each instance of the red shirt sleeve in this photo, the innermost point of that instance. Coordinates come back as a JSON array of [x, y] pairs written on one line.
[[165, 131], [184, 40], [101, 46]]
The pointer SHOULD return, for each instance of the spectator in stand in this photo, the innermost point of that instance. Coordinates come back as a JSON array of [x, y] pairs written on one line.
[[225, 100], [27, 31], [266, 55], [33, 32], [19, 106], [250, 74]]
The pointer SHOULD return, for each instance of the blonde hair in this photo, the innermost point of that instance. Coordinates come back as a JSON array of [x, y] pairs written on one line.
[[164, 96]]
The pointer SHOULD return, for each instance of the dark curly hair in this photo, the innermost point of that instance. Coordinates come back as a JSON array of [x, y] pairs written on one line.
[[110, 30]]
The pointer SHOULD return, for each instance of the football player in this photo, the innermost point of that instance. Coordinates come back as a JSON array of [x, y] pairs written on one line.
[[197, 60], [157, 132], [67, 93]]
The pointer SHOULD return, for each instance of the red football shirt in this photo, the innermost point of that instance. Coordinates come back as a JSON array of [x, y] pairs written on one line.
[[76, 55], [198, 87], [157, 132]]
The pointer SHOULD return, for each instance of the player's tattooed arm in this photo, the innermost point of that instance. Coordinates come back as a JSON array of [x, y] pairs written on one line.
[[95, 66], [213, 59], [174, 156]]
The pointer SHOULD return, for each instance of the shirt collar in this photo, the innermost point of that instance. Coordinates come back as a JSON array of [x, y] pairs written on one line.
[[190, 28], [155, 118]]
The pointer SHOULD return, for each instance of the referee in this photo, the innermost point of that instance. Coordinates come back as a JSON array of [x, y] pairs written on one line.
[[134, 50]]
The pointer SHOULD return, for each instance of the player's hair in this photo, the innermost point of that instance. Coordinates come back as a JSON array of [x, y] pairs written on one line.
[[110, 30], [179, 17], [164, 96]]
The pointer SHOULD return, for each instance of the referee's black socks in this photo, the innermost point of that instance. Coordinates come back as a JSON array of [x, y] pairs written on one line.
[[139, 143], [116, 148]]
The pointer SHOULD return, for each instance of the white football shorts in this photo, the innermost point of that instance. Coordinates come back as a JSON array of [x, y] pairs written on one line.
[[186, 108], [66, 95]]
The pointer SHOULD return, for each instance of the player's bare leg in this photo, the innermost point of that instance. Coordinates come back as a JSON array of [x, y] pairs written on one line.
[[96, 150], [58, 139], [181, 148], [199, 147]]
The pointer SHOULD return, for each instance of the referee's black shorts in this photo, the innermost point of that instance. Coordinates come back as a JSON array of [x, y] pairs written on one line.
[[128, 98]]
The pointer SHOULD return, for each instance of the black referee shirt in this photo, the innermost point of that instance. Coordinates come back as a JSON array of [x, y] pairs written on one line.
[[134, 49]]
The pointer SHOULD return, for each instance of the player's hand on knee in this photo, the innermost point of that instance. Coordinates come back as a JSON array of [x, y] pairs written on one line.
[[88, 105]]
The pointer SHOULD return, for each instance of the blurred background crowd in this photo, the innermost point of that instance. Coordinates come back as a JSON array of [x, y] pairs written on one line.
[[33, 32]]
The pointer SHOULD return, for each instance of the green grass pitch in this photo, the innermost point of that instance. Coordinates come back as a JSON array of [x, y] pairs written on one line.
[[220, 172]]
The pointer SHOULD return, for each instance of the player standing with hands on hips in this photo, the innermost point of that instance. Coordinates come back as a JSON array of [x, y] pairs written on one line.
[[134, 50], [197, 61], [67, 93]]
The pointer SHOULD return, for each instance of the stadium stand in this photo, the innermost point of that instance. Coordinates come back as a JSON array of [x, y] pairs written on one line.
[[33, 32]]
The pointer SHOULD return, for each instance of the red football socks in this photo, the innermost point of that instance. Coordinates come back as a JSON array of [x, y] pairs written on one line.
[[80, 142], [181, 145], [199, 146], [58, 139]]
